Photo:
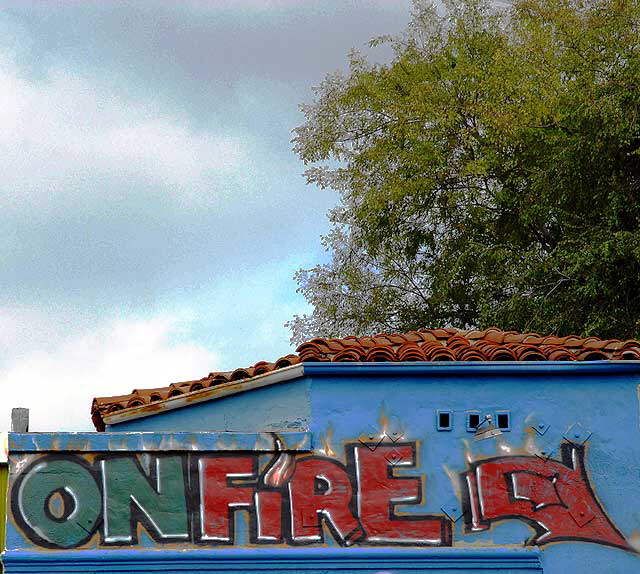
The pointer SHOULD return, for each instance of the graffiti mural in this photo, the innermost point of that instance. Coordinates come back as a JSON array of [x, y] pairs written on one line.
[[554, 497], [63, 501], [110, 499]]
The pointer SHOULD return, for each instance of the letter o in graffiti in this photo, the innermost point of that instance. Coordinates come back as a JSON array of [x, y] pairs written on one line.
[[31, 502]]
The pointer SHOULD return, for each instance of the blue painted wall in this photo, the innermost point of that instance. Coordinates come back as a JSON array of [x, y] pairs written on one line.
[[345, 403], [603, 401]]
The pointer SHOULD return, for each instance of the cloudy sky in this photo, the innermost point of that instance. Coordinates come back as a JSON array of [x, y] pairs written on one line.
[[152, 213]]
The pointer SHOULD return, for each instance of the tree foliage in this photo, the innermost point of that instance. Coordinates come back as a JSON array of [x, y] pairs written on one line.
[[489, 174]]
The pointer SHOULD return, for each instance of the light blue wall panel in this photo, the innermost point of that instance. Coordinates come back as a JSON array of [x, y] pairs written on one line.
[[282, 406]]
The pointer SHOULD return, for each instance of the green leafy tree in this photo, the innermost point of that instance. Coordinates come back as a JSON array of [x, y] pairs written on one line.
[[489, 174]]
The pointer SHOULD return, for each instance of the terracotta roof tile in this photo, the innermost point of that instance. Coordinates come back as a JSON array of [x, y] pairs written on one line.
[[448, 344], [410, 352], [381, 353]]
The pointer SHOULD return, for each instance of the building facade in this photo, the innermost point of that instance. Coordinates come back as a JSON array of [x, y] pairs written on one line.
[[440, 450]]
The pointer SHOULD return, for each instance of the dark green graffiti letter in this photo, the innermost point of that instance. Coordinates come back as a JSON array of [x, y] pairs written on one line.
[[158, 500], [57, 502]]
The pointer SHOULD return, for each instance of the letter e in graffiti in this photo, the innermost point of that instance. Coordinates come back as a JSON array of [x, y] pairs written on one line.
[[380, 492], [554, 497]]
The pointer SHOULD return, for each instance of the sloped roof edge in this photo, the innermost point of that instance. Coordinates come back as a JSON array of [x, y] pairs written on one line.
[[429, 345], [197, 396]]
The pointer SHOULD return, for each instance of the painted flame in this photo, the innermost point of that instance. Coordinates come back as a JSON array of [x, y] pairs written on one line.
[[502, 446], [326, 443], [281, 467], [530, 442], [453, 477], [467, 451], [280, 470], [383, 421]]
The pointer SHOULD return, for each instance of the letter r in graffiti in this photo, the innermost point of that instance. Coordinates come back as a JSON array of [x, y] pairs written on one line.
[[321, 489], [554, 497]]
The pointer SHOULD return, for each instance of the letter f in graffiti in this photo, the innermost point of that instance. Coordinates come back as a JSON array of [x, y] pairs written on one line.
[[554, 497]]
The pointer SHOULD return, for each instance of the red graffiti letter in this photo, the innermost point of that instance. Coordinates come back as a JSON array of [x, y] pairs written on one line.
[[268, 504], [555, 497], [321, 488], [379, 492], [218, 495]]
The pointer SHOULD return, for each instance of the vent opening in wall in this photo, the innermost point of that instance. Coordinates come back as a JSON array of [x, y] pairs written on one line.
[[503, 420], [473, 420], [444, 420]]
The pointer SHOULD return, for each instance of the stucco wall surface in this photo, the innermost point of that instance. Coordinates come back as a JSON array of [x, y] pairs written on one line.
[[372, 468]]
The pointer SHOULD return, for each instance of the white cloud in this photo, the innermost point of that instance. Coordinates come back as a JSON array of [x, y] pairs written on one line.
[[65, 135], [57, 383]]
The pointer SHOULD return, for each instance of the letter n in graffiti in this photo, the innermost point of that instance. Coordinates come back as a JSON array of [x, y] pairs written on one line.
[[156, 499]]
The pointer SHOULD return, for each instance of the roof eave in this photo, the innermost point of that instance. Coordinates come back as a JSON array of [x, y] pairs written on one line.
[[202, 395]]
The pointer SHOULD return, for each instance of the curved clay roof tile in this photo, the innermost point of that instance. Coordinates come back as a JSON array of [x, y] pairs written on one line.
[[613, 345], [240, 374], [495, 336], [457, 342], [355, 355], [414, 337], [513, 337], [557, 353], [631, 344], [594, 343], [498, 353], [381, 354], [592, 355], [440, 333], [287, 361], [421, 336], [310, 357], [552, 340], [136, 402], [396, 339], [438, 353], [382, 340], [334, 345], [628, 355], [573, 341], [366, 342], [411, 352], [263, 367], [470, 354], [314, 346], [528, 353], [502, 355]]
